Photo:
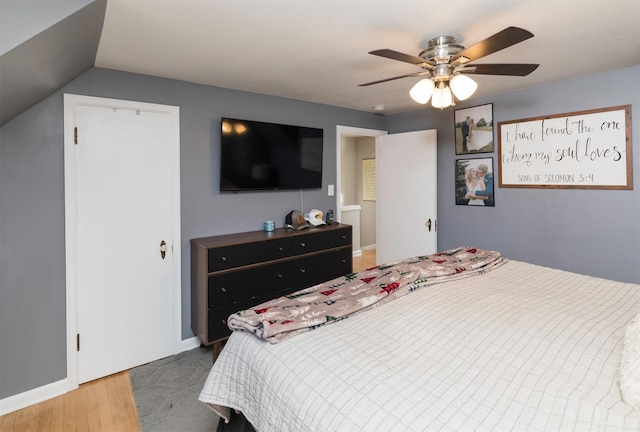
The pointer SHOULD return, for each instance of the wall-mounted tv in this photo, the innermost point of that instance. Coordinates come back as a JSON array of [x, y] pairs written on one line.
[[268, 156]]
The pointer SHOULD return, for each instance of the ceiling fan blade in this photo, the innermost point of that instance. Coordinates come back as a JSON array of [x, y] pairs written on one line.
[[395, 55], [394, 78], [501, 40], [515, 69]]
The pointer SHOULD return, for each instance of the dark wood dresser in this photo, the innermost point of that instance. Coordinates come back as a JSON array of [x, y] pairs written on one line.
[[237, 271]]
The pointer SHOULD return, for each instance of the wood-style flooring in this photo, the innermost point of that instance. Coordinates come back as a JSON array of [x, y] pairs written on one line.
[[367, 260], [103, 405]]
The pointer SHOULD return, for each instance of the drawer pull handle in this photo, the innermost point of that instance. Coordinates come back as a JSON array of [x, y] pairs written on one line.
[[224, 290], [224, 258], [303, 271], [280, 276], [303, 244], [280, 248], [344, 261], [344, 237]]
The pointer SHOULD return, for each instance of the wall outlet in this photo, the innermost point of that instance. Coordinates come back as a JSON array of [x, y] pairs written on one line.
[[330, 190]]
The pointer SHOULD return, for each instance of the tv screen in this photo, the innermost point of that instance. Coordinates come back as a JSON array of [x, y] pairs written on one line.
[[266, 156]]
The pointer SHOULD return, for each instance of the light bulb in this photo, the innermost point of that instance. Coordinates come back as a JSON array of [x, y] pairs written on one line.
[[462, 86], [441, 97], [422, 91]]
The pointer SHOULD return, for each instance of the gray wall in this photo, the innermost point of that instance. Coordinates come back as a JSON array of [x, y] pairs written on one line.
[[32, 268], [594, 232]]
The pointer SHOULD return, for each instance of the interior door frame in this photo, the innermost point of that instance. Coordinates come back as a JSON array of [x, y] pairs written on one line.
[[348, 131], [71, 101]]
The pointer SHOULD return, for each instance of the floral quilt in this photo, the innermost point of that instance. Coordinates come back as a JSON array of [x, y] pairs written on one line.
[[337, 299]]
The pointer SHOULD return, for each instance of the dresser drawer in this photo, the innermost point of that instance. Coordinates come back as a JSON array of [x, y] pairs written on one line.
[[227, 257], [233, 286], [320, 240], [321, 267], [217, 325]]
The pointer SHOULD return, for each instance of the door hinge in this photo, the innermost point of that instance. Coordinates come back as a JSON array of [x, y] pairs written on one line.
[[75, 135], [78, 341]]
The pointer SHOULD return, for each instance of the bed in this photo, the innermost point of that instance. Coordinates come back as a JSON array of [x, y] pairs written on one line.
[[516, 347]]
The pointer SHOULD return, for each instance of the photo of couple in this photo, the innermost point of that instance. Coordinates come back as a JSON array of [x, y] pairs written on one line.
[[466, 128], [474, 129], [474, 182]]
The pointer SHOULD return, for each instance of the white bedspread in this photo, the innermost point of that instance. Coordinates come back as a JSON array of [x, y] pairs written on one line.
[[522, 348]]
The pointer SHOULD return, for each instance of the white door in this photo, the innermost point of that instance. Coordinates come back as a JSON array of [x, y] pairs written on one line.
[[125, 207], [406, 195]]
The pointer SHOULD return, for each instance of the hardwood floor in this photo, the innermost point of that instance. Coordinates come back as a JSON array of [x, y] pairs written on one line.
[[367, 260], [103, 405]]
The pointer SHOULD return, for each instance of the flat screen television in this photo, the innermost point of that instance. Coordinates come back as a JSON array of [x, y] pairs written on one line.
[[268, 156]]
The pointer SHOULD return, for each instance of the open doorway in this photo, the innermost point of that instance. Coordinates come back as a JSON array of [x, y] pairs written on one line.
[[355, 201], [405, 184]]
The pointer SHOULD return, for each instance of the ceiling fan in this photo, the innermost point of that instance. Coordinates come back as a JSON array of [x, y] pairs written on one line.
[[447, 64]]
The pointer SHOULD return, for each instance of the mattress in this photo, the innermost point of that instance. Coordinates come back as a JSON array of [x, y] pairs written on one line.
[[522, 347]]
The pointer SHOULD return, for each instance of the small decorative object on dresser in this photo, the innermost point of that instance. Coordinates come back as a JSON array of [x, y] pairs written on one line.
[[233, 272], [329, 217]]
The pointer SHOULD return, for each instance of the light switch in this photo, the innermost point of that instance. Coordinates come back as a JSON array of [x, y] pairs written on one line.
[[330, 190]]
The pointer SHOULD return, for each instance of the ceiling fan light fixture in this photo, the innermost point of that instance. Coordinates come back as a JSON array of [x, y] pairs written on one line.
[[422, 91], [441, 96], [446, 65], [462, 86]]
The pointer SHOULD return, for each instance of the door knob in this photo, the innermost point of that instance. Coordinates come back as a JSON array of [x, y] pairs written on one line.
[[163, 249], [428, 224]]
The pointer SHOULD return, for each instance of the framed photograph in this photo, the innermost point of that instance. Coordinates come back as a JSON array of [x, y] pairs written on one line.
[[474, 182], [474, 129]]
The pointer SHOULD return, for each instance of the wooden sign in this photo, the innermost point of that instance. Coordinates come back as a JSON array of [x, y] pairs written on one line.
[[581, 150]]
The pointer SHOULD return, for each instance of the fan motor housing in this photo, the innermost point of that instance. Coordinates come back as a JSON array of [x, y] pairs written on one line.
[[441, 49]]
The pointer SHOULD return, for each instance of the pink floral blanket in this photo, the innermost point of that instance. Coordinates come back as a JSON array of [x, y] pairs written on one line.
[[337, 299]]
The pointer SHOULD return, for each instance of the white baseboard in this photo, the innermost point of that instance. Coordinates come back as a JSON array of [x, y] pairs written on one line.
[[189, 344], [32, 397], [58, 388], [373, 246], [357, 253]]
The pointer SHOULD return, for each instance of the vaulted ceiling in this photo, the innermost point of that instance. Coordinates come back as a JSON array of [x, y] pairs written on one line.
[[316, 50]]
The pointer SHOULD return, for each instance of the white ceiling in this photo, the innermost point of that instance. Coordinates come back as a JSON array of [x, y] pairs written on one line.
[[316, 50]]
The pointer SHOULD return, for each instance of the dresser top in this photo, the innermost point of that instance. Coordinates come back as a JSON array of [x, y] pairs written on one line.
[[254, 236]]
